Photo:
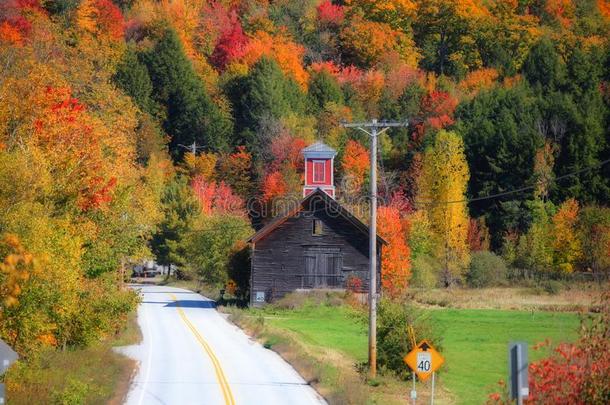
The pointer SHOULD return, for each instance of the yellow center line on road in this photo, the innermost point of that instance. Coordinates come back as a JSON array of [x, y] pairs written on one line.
[[220, 375]]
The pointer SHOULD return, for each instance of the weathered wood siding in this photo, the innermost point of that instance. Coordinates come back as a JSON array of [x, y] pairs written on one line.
[[278, 259]]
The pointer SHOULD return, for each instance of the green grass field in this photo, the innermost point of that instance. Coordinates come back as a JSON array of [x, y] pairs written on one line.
[[475, 345], [474, 341]]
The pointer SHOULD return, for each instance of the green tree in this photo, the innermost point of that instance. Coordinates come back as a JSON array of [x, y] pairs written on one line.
[[132, 77], [576, 120], [444, 31], [265, 93], [501, 139], [543, 67], [323, 88], [214, 242], [594, 232], [180, 210], [190, 113]]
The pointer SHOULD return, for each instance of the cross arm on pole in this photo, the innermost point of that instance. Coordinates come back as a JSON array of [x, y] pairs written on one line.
[[380, 124], [383, 125]]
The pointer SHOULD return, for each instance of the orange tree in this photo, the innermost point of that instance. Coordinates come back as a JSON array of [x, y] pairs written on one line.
[[395, 257]]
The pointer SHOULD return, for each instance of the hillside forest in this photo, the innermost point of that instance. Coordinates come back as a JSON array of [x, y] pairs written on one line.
[[132, 129]]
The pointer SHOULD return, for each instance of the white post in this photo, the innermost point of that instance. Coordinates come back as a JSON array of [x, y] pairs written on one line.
[[432, 395], [373, 257], [413, 391]]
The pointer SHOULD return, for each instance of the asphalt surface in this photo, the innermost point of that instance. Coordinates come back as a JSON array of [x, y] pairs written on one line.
[[191, 354]]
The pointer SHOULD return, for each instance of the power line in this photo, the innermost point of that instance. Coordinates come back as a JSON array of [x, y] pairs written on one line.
[[488, 197], [518, 190]]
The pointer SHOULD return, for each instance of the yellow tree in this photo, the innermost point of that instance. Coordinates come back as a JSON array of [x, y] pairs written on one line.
[[567, 249], [442, 188]]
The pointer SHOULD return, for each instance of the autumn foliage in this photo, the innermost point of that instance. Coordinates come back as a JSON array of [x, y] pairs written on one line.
[[74, 144], [330, 13], [15, 270], [395, 257], [101, 17], [274, 186], [232, 44], [355, 165], [566, 244], [217, 198]]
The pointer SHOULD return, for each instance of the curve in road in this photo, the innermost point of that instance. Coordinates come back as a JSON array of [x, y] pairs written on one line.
[[190, 354]]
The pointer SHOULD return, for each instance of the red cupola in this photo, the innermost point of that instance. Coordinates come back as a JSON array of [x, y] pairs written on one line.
[[319, 161]]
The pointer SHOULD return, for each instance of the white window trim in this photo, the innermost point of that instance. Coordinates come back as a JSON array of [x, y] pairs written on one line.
[[313, 168]]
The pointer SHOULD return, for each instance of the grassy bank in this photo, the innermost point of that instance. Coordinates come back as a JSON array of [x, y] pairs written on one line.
[[92, 375], [320, 358], [474, 340], [326, 341]]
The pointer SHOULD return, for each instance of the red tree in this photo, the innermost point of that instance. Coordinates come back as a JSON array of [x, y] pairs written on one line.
[[330, 14], [217, 198], [286, 150], [232, 44], [438, 108]]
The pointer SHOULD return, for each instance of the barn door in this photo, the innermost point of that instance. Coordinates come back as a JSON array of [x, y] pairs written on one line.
[[309, 276], [322, 268], [334, 263]]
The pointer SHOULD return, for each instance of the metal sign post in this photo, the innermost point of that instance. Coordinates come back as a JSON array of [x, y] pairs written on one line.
[[7, 357], [413, 391], [518, 376], [432, 392]]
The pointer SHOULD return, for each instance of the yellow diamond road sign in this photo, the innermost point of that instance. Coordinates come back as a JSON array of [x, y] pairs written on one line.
[[424, 360]]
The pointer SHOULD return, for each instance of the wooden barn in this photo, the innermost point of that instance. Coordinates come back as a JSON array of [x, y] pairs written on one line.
[[317, 244]]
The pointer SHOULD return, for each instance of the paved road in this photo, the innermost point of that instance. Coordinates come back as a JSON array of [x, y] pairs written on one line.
[[191, 355]]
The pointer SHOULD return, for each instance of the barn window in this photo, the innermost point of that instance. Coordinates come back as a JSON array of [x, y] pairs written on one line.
[[316, 228], [319, 175]]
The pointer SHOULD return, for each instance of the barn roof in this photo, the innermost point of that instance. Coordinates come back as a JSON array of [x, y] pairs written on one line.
[[330, 202]]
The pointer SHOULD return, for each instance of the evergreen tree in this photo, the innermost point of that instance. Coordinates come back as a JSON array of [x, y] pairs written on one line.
[[191, 114], [578, 130], [572, 117], [543, 67], [323, 88], [180, 209], [265, 93], [132, 77], [501, 137]]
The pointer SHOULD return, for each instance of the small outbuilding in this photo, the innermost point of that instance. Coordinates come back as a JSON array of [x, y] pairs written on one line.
[[318, 244]]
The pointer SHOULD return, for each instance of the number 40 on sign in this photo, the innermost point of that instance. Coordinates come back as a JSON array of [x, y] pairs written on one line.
[[424, 360]]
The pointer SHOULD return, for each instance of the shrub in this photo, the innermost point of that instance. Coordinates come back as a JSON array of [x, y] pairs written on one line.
[[354, 284], [552, 286], [486, 269], [74, 394], [300, 299], [425, 272], [393, 343]]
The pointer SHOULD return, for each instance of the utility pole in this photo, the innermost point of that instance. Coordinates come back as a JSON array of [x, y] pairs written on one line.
[[376, 129]]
